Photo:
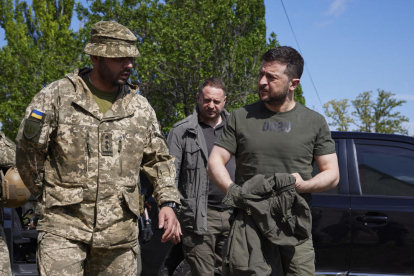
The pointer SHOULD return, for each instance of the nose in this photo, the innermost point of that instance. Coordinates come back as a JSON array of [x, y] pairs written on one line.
[[262, 80], [211, 105], [128, 62]]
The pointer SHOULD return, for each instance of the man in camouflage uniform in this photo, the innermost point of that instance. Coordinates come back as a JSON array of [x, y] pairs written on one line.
[[80, 148], [7, 158]]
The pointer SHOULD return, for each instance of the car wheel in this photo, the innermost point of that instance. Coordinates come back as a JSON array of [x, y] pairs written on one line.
[[183, 269]]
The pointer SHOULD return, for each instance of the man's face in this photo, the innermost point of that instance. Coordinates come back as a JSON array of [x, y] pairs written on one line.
[[273, 84], [210, 102], [115, 71]]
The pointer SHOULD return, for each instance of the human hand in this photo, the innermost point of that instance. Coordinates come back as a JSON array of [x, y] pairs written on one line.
[[300, 184], [172, 229]]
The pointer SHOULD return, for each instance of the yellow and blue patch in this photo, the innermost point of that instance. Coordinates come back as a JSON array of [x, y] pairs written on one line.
[[37, 114]]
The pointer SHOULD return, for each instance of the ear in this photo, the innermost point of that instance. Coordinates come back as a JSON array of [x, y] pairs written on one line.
[[225, 98], [293, 84], [95, 60], [198, 97]]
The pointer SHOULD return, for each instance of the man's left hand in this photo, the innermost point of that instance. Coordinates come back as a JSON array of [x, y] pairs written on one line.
[[300, 185], [172, 229]]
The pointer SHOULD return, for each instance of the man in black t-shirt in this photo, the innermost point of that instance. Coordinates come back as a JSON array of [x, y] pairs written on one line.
[[203, 218], [278, 135]]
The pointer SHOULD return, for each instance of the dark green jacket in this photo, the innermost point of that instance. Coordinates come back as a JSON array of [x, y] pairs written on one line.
[[267, 208], [187, 144]]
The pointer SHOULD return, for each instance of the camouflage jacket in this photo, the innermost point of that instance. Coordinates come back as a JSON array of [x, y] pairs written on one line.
[[7, 159], [84, 165], [7, 152]]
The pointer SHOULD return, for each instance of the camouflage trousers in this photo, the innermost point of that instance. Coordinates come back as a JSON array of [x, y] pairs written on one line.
[[60, 256], [5, 269]]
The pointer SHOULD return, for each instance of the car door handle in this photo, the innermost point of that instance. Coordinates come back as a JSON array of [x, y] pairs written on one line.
[[368, 220]]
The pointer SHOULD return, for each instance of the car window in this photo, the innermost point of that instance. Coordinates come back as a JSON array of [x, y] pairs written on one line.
[[385, 170], [316, 170]]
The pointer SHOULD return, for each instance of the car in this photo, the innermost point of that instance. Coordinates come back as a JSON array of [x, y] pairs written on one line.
[[363, 226]]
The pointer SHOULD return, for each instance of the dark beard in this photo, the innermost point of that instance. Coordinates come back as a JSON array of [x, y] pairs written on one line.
[[276, 100], [108, 75]]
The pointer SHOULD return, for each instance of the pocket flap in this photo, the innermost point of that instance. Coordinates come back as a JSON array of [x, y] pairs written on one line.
[[192, 148], [132, 201], [58, 196]]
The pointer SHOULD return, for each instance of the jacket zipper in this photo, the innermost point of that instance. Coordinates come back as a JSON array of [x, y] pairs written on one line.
[[88, 147], [119, 152]]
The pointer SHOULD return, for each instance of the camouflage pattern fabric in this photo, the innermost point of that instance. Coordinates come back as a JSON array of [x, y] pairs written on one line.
[[7, 152], [7, 159], [5, 269], [59, 256], [84, 166], [111, 39]]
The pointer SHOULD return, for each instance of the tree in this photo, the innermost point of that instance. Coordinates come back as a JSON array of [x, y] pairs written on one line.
[[370, 116], [339, 114], [183, 42], [40, 49], [378, 116]]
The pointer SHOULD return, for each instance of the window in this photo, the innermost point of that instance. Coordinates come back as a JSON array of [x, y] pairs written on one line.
[[386, 170]]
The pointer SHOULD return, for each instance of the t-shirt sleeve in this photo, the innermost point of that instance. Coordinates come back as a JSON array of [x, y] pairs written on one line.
[[324, 143], [227, 139]]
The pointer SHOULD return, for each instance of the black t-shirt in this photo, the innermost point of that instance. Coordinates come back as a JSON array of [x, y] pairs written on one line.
[[267, 142], [215, 195]]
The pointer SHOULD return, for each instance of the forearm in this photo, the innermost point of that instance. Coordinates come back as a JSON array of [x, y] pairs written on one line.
[[159, 166], [321, 182], [162, 176]]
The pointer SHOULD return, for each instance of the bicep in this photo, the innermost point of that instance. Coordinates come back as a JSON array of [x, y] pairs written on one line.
[[220, 155], [327, 162]]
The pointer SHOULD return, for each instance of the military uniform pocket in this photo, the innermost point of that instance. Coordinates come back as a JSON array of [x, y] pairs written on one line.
[[70, 155], [187, 214], [132, 201], [59, 196], [36, 128]]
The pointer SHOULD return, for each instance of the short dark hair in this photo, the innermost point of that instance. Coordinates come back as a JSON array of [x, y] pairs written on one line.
[[213, 82], [288, 55]]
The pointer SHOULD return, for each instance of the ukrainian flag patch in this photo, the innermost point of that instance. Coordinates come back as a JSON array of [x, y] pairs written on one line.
[[37, 114]]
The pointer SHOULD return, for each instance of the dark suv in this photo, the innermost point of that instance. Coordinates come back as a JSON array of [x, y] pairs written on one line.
[[364, 226]]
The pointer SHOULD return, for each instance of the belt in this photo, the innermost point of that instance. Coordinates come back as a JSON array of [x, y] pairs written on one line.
[[220, 209]]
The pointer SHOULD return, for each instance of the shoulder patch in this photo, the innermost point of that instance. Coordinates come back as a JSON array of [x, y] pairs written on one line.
[[31, 128]]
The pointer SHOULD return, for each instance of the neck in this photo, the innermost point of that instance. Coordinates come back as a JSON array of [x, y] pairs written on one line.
[[213, 122], [100, 83], [287, 105]]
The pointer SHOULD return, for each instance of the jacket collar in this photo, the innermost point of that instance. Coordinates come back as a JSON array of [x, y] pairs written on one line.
[[84, 98], [193, 120]]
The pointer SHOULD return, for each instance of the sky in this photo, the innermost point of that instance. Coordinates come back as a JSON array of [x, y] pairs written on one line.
[[349, 47]]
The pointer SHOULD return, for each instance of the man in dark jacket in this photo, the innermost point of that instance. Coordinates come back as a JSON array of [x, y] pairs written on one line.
[[203, 217], [279, 135]]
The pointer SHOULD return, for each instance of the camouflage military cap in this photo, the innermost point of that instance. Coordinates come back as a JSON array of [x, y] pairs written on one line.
[[111, 39]]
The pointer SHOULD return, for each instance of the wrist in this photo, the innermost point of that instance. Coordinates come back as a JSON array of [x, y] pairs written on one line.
[[170, 204]]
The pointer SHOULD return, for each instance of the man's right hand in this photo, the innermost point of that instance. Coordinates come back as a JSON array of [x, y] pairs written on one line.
[[172, 229]]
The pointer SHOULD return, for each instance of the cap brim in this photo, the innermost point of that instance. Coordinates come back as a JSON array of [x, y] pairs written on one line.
[[113, 50]]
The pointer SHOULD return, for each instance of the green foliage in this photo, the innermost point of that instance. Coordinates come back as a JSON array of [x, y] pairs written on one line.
[[181, 42], [298, 95], [370, 115], [40, 49], [377, 116], [339, 114], [184, 42]]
